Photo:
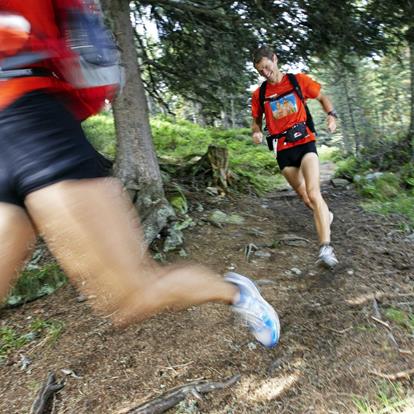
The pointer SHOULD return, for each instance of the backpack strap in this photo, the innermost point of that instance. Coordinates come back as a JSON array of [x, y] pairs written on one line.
[[262, 95], [295, 84], [309, 120]]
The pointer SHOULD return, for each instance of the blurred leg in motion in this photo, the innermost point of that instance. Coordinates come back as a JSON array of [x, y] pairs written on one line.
[[93, 230], [17, 238]]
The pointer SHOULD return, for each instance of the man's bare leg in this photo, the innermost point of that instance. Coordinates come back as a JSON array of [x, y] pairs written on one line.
[[92, 228], [17, 238], [295, 178], [310, 171]]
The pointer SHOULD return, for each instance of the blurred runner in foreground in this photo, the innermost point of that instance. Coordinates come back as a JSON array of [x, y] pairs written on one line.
[[53, 183]]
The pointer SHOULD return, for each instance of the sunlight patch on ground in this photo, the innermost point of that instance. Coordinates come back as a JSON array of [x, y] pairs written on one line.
[[256, 390]]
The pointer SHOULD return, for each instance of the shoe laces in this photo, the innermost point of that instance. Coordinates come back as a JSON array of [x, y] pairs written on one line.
[[326, 250]]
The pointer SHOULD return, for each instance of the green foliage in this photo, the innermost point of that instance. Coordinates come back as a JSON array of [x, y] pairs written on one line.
[[183, 140], [400, 317], [100, 131], [50, 330], [407, 175], [36, 281], [178, 200], [349, 167], [391, 399], [383, 188], [12, 340], [177, 142], [401, 204]]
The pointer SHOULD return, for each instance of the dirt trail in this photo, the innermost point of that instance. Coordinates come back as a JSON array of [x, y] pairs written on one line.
[[330, 344]]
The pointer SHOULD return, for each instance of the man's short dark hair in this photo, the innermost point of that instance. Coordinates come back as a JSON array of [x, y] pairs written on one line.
[[262, 52]]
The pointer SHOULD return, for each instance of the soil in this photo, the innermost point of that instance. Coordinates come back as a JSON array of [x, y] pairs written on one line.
[[331, 348]]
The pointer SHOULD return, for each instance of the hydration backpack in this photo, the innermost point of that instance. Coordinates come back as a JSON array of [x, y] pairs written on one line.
[[84, 55], [92, 45], [292, 79]]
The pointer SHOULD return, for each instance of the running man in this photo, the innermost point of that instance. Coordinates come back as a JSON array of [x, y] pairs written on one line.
[[53, 184], [292, 138]]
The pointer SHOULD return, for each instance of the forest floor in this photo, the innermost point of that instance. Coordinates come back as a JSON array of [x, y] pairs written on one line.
[[337, 334]]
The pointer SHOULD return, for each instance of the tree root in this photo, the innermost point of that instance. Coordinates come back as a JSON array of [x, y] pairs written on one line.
[[48, 389], [172, 397]]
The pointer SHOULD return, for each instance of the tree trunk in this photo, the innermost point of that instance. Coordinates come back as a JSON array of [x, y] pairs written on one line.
[[136, 162], [410, 137], [352, 116]]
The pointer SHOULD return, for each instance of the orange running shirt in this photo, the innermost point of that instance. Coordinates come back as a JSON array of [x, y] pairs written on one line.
[[44, 35], [40, 15], [282, 114]]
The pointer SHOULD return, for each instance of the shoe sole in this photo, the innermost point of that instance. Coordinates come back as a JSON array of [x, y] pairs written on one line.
[[322, 263]]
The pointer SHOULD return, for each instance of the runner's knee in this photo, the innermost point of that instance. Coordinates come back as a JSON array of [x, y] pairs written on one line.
[[314, 196]]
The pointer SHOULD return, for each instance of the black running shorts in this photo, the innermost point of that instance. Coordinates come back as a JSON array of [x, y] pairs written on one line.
[[41, 143], [292, 157]]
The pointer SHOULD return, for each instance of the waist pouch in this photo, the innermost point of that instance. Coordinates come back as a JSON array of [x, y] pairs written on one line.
[[296, 133]]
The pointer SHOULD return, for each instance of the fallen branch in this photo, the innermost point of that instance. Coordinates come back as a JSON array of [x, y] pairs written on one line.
[[48, 389], [171, 398], [393, 377]]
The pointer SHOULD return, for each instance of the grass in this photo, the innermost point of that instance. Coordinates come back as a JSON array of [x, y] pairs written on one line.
[[401, 318], [401, 204], [11, 339], [180, 141], [392, 398]]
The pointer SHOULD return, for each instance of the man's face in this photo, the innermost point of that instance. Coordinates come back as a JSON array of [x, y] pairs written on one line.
[[267, 67]]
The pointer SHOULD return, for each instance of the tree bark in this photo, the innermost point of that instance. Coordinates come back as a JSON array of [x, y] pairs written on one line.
[[352, 116], [410, 137], [136, 162]]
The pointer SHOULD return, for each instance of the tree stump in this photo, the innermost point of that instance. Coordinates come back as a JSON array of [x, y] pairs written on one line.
[[213, 169]]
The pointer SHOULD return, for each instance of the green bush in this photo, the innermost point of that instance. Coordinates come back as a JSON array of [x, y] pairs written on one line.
[[382, 188], [349, 167], [407, 175], [35, 282], [100, 131]]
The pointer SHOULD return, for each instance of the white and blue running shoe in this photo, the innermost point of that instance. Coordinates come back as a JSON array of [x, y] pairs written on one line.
[[259, 315]]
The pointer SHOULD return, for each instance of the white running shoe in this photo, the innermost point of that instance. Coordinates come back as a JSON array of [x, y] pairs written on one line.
[[259, 315], [327, 256]]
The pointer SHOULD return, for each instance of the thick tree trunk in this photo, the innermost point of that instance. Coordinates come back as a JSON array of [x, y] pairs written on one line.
[[136, 162]]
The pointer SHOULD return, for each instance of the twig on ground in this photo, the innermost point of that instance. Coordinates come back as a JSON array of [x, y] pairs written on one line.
[[48, 389], [173, 367], [172, 397], [377, 318], [340, 332], [350, 230], [381, 322], [405, 352], [393, 377], [249, 249]]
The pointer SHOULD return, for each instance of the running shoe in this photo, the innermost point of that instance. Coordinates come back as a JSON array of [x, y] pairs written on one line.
[[259, 315], [331, 217], [327, 256]]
